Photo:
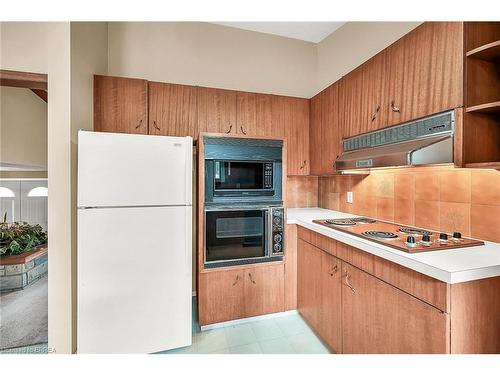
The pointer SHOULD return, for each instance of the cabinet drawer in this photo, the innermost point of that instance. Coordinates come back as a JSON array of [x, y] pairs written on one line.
[[318, 240]]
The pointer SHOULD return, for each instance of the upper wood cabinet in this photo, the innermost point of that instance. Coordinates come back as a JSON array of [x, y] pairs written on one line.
[[172, 109], [216, 110], [290, 120], [350, 92], [253, 114], [424, 70], [315, 134], [378, 318], [120, 105], [374, 108]]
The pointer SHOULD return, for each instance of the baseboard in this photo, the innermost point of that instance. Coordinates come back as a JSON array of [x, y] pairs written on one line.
[[248, 320]]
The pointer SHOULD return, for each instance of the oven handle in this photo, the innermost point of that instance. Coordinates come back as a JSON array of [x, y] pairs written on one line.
[[267, 213]]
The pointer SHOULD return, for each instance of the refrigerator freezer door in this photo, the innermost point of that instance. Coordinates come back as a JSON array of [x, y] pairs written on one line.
[[133, 170], [134, 279]]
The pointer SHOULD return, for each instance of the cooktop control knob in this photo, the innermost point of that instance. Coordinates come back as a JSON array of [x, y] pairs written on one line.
[[277, 238], [426, 238], [443, 236], [457, 235], [410, 240], [277, 248]]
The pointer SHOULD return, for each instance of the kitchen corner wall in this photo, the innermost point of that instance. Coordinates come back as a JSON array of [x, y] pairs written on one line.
[[439, 198], [301, 191]]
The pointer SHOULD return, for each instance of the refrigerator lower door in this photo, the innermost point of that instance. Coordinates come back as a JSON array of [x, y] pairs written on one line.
[[134, 279]]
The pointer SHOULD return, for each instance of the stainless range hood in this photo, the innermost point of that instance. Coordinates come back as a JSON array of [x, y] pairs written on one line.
[[425, 141]]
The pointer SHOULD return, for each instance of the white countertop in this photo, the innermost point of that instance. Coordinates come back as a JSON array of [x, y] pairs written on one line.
[[451, 266]]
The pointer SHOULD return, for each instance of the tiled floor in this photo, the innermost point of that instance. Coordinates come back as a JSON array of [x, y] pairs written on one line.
[[287, 334]]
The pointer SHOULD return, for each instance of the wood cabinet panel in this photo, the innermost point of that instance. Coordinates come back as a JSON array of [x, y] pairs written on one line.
[[351, 88], [315, 134], [425, 71], [216, 110], [253, 114], [120, 105], [309, 283], [331, 119], [172, 109], [221, 296], [378, 318], [290, 119], [374, 104], [290, 285], [263, 289], [330, 320]]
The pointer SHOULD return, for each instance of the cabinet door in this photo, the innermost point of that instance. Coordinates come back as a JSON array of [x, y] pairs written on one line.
[[290, 120], [315, 134], [172, 109], [120, 105], [351, 90], [374, 110], [216, 110], [330, 142], [424, 70], [253, 114], [331, 302], [378, 318], [264, 290], [309, 283], [221, 296]]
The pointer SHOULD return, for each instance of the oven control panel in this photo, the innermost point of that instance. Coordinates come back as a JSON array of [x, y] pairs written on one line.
[[268, 175], [277, 231]]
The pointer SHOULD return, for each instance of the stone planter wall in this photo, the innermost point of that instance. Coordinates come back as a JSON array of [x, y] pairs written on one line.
[[19, 271]]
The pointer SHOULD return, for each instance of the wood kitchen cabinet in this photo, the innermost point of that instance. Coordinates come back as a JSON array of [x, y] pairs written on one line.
[[172, 109], [351, 88], [229, 294], [216, 110], [378, 318], [330, 316], [253, 114], [374, 109], [424, 70], [309, 283], [290, 120], [263, 290], [315, 134], [120, 105]]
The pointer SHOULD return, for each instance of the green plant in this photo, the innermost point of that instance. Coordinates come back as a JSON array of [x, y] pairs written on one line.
[[19, 237]]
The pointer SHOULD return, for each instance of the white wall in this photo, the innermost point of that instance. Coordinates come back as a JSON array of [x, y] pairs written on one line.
[[351, 45], [23, 127], [204, 54]]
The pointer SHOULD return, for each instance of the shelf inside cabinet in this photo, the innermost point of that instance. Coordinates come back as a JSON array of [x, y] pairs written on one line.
[[493, 107], [489, 52]]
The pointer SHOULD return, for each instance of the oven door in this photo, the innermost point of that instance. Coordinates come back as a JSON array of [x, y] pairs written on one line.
[[236, 236], [235, 178]]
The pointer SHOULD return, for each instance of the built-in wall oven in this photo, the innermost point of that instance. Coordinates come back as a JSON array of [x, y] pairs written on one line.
[[243, 235]]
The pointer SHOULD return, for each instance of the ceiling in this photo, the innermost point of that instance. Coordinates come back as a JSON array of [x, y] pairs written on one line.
[[309, 31]]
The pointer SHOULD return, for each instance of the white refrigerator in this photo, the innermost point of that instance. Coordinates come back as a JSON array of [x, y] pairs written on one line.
[[134, 243]]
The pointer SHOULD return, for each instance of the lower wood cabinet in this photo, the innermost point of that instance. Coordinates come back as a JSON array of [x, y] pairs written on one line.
[[379, 318], [330, 320], [239, 293], [309, 283]]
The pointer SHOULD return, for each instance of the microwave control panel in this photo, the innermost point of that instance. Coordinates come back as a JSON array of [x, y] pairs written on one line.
[[277, 226], [268, 175]]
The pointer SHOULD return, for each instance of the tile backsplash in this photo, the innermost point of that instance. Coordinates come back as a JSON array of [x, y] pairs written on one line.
[[438, 197]]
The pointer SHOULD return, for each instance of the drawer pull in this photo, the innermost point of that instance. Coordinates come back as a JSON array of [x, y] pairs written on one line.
[[242, 130], [237, 279], [251, 279], [139, 125], [156, 126], [303, 164], [394, 107], [374, 116], [229, 130], [346, 282]]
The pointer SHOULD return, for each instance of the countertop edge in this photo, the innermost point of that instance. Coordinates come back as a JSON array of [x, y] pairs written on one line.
[[378, 250]]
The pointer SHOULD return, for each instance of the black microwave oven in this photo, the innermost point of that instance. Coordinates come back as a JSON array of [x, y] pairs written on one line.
[[246, 171]]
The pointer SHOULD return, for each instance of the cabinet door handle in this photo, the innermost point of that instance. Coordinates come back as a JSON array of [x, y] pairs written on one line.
[[237, 279], [156, 126], [394, 107], [242, 130], [334, 270], [347, 277], [139, 125], [251, 279], [374, 115], [303, 164], [229, 130]]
